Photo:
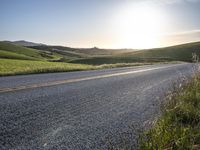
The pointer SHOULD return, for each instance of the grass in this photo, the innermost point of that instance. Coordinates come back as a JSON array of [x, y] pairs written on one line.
[[11, 55], [173, 53], [95, 56], [16, 67], [179, 126], [104, 66], [81, 52], [178, 53], [56, 58], [115, 60], [13, 51]]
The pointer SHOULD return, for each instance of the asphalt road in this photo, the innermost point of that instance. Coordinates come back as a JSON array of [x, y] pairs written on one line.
[[81, 110]]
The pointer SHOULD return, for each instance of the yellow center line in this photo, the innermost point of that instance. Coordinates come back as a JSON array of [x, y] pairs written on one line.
[[53, 83]]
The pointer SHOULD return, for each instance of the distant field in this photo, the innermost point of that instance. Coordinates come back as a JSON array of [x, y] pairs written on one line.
[[83, 52], [117, 59], [174, 53], [180, 52]]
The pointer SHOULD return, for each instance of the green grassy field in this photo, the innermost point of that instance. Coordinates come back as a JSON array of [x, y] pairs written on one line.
[[117, 59], [93, 58], [83, 52], [15, 67], [174, 53], [179, 126], [11, 55], [11, 51], [179, 52]]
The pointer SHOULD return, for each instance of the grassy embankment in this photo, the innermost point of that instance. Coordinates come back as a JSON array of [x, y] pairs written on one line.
[[179, 126], [17, 67]]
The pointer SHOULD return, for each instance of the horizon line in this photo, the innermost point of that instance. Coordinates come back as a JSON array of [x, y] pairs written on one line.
[[182, 43]]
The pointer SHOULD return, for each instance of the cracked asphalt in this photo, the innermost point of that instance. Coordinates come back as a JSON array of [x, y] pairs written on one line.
[[81, 115]]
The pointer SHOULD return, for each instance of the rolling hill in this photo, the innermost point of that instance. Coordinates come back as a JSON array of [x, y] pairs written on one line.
[[24, 43], [96, 56], [83, 52], [180, 52], [12, 51], [16, 59], [174, 53]]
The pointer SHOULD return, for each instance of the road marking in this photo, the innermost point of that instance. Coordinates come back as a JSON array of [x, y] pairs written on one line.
[[53, 83]]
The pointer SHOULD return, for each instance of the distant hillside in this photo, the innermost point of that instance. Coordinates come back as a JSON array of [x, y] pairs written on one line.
[[82, 52], [12, 51], [180, 52], [98, 56], [174, 53], [24, 43]]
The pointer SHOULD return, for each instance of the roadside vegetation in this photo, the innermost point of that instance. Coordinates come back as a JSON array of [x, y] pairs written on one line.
[[16, 67], [179, 126]]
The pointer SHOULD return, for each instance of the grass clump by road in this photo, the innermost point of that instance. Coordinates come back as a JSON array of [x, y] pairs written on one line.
[[15, 67], [108, 66], [179, 126]]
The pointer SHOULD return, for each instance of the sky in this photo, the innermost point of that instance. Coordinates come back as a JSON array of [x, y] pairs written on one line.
[[101, 23]]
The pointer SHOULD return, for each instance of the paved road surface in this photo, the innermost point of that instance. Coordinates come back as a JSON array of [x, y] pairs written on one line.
[[79, 110]]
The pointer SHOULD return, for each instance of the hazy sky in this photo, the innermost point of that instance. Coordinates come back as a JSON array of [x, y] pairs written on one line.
[[101, 23]]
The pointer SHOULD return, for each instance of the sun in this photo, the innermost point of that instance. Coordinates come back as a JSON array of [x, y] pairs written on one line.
[[139, 26]]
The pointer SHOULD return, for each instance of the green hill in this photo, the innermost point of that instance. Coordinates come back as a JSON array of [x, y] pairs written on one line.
[[65, 51], [82, 52], [12, 51], [180, 52], [174, 53], [96, 56], [16, 59]]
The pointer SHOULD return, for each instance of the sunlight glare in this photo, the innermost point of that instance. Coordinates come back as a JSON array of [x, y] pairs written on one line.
[[139, 26]]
